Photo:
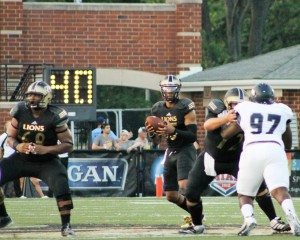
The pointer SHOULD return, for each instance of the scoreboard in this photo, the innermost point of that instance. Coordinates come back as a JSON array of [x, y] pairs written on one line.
[[74, 90]]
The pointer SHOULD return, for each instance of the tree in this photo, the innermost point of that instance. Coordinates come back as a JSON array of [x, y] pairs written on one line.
[[213, 34], [236, 10], [282, 26], [259, 11], [252, 27], [124, 97]]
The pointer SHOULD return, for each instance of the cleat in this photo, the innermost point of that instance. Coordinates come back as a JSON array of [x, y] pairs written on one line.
[[188, 222], [249, 224], [67, 231], [279, 226], [294, 224], [198, 229], [5, 221]]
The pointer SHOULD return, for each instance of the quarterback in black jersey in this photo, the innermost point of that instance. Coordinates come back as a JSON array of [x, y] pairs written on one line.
[[35, 128], [221, 156], [181, 132]]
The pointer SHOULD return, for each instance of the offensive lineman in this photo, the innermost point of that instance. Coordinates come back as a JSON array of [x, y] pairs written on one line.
[[221, 156], [266, 126], [35, 128], [181, 132]]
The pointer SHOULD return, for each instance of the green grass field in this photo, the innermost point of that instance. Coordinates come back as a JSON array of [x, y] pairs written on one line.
[[130, 218]]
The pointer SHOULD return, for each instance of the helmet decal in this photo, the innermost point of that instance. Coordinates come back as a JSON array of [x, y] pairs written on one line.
[[170, 88], [39, 88], [235, 95]]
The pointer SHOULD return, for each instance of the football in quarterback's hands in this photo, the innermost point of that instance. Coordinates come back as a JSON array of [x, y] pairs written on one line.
[[153, 121]]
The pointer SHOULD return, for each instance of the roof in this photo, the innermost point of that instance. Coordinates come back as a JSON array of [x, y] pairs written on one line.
[[280, 68]]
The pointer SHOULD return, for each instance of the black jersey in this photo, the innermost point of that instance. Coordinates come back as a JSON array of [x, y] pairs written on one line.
[[175, 116], [40, 130], [222, 150]]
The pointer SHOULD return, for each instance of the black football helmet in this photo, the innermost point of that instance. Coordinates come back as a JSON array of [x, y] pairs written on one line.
[[39, 88], [262, 93], [170, 88], [235, 95]]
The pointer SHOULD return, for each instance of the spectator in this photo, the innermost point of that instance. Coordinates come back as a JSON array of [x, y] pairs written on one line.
[[141, 141], [104, 141], [123, 143], [35, 183], [5, 151], [97, 131]]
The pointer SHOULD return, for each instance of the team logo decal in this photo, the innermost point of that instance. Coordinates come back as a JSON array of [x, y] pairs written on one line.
[[225, 184]]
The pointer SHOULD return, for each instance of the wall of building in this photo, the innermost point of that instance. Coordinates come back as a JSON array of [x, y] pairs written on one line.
[[158, 38], [153, 38]]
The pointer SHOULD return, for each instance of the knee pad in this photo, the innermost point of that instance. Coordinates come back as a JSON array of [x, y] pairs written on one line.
[[64, 204]]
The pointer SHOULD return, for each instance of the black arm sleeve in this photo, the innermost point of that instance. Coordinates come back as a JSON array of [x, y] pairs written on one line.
[[190, 135]]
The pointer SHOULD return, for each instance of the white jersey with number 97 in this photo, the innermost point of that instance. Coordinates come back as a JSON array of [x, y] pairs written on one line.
[[263, 122]]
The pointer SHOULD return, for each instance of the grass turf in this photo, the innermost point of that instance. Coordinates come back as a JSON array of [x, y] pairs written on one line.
[[145, 218]]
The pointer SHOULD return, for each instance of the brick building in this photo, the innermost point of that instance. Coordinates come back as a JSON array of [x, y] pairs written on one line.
[[129, 44]]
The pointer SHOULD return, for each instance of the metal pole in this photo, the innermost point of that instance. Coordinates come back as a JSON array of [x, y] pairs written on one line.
[[72, 126]]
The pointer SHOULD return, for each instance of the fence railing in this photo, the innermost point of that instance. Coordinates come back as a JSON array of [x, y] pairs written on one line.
[[15, 78]]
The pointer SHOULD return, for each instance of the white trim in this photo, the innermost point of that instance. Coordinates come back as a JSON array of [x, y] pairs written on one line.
[[11, 32], [189, 65], [147, 80], [189, 34], [11, 0], [12, 66], [184, 1], [139, 7], [128, 78], [7, 105], [246, 84]]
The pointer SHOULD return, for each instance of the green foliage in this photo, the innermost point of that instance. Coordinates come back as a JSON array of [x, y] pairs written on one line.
[[215, 44], [282, 30], [214, 52], [124, 97], [283, 25]]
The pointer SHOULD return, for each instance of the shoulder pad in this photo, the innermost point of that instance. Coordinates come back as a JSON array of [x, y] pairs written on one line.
[[14, 112], [156, 106], [186, 103], [60, 115], [216, 106]]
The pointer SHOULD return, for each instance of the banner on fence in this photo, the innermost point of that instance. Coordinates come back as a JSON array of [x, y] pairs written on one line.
[[97, 173]]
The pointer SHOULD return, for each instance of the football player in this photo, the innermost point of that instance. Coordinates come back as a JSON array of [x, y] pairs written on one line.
[[221, 156], [181, 132], [36, 126], [266, 126]]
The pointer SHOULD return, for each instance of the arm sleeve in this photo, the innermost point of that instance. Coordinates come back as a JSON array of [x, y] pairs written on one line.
[[189, 135]]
